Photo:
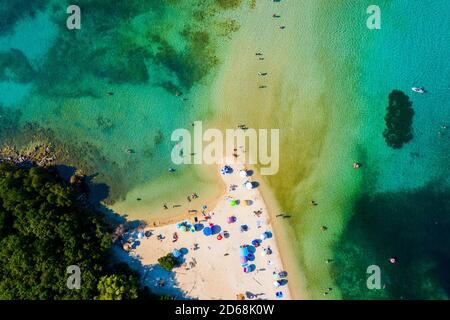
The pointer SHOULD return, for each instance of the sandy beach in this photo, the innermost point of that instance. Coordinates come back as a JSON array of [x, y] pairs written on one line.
[[211, 266]]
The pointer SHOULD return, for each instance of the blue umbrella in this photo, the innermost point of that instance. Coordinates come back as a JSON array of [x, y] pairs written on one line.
[[255, 243], [244, 227], [176, 253], [215, 229], [207, 231], [244, 251]]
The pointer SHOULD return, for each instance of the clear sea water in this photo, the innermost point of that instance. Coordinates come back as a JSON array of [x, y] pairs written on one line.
[[396, 205]]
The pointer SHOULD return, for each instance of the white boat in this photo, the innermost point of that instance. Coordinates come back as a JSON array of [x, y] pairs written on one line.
[[418, 90]]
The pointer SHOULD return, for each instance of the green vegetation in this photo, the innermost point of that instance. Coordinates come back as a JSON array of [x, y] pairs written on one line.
[[118, 287], [43, 230], [168, 262], [398, 120]]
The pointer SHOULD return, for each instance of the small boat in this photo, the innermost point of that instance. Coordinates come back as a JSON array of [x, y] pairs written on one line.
[[418, 90]]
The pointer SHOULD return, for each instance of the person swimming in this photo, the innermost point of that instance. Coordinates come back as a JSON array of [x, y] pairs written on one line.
[[356, 165]]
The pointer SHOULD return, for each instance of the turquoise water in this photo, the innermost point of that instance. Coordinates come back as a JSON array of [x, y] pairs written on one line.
[[112, 86], [140, 53], [403, 205]]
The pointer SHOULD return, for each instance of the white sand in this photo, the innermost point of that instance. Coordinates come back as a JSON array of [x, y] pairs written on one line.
[[216, 276]]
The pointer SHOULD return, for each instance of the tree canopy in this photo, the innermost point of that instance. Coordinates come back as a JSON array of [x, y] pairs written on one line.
[[43, 230], [117, 287], [168, 262]]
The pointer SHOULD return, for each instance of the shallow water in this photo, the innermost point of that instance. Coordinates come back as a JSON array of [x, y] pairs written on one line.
[[329, 78]]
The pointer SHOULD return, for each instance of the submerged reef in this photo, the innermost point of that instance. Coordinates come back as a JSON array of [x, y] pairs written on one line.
[[228, 4], [85, 77], [8, 123], [136, 42], [12, 11], [398, 120], [412, 227], [15, 67]]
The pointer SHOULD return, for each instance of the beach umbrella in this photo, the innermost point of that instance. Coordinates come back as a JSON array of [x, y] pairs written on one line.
[[248, 185], [243, 251], [207, 231], [242, 173], [255, 243], [198, 226], [263, 236], [176, 253], [231, 219], [233, 203], [243, 260], [279, 294], [126, 247], [244, 227], [219, 237], [226, 170], [183, 228], [276, 284], [215, 229]]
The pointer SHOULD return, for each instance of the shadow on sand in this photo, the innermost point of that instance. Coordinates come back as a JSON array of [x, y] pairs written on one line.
[[158, 280]]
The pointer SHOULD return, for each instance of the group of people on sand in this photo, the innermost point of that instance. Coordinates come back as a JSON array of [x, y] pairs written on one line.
[[192, 196]]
